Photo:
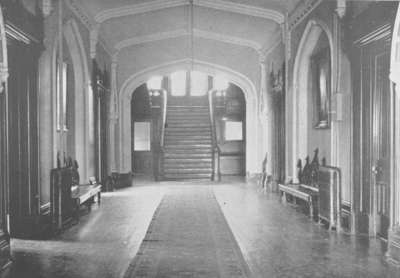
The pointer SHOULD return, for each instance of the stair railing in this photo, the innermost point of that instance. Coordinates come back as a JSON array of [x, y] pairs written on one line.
[[162, 134], [216, 151]]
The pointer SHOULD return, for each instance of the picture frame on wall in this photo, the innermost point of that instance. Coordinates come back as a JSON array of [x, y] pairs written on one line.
[[321, 87]]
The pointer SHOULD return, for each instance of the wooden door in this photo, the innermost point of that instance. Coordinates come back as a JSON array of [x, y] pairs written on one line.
[[23, 134], [372, 136], [380, 60]]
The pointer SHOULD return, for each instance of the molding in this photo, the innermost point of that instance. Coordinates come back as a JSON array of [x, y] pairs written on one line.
[[227, 39], [80, 13], [268, 47], [138, 9], [151, 38], [301, 12], [229, 6], [182, 33], [222, 5], [383, 32]]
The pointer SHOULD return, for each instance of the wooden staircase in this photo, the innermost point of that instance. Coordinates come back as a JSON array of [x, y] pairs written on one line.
[[188, 143]]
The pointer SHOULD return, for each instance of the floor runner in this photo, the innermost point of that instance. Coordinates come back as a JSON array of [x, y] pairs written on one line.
[[188, 237]]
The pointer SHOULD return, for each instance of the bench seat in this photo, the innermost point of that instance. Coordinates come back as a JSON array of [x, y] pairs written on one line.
[[304, 192], [85, 194]]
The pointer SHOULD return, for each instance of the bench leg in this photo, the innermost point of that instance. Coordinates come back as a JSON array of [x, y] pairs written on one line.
[[283, 197], [77, 212], [311, 208], [99, 197], [89, 203]]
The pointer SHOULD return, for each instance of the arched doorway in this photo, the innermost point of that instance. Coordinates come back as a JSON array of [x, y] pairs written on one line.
[[189, 93], [252, 157]]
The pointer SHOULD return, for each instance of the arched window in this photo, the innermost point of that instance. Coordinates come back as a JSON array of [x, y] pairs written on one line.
[[198, 83], [178, 83]]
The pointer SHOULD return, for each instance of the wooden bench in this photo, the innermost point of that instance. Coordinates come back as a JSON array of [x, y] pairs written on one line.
[[304, 192], [85, 195]]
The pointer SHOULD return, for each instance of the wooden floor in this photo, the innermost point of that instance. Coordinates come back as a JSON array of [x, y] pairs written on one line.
[[275, 240]]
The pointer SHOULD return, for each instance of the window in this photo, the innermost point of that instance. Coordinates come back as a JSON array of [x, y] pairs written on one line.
[[178, 83], [233, 131], [198, 83], [141, 136]]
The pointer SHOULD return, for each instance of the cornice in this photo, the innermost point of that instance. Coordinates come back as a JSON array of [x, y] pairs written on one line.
[[301, 12], [183, 32], [222, 5]]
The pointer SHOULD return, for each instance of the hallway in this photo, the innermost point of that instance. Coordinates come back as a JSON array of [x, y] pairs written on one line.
[[275, 240]]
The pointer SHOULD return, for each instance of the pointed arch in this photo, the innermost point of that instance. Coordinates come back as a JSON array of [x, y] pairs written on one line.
[[249, 90], [298, 118], [82, 95]]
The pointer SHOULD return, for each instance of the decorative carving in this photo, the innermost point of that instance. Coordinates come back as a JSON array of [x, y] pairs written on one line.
[[94, 38], [314, 168], [277, 80], [341, 8], [301, 12], [306, 174], [80, 13], [47, 7], [299, 170]]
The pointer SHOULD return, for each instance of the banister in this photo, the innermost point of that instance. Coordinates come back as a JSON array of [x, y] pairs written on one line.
[[215, 148], [164, 117]]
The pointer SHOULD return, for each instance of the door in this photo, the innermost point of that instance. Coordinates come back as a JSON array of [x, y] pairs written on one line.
[[374, 124], [380, 59], [23, 134]]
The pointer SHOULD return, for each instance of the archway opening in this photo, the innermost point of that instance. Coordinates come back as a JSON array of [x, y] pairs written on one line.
[[190, 93], [252, 157]]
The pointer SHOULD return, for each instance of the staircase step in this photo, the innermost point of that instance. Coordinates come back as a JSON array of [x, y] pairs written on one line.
[[187, 176], [186, 147], [187, 128], [187, 151], [187, 161], [188, 155], [184, 141], [187, 134], [178, 113], [174, 166], [187, 171], [188, 125], [189, 107]]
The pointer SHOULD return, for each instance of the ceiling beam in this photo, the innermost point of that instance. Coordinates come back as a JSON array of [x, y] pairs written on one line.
[[182, 33], [222, 5]]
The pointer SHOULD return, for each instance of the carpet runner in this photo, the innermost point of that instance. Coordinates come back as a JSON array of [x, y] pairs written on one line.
[[188, 237]]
